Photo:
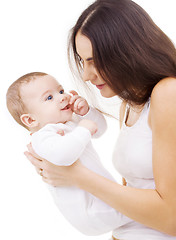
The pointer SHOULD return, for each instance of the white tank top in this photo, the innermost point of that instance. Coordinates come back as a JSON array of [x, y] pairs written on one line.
[[132, 158]]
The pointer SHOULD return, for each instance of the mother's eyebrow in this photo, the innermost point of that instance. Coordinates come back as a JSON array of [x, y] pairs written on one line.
[[89, 59]]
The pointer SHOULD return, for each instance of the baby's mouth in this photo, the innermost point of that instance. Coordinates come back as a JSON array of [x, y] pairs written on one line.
[[67, 107]]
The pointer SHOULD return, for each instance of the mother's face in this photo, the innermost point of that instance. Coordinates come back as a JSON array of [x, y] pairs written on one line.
[[84, 50]]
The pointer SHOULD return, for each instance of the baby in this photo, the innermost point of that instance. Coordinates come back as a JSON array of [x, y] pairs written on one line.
[[38, 102]]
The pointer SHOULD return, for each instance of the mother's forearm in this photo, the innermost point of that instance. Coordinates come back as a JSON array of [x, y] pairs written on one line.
[[142, 205]]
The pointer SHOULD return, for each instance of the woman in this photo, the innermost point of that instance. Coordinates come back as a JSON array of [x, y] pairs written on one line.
[[118, 48]]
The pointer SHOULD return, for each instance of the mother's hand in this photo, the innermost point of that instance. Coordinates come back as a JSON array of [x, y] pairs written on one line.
[[53, 174]]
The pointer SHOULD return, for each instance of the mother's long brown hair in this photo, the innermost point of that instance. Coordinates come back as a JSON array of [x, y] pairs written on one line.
[[131, 53]]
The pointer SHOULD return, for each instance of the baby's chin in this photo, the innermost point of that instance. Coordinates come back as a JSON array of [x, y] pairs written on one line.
[[68, 118]]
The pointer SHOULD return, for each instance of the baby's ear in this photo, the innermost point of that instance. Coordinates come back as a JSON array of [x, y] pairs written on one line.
[[29, 120]]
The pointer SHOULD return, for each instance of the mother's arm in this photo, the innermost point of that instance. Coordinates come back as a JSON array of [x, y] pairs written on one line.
[[155, 208], [51, 173]]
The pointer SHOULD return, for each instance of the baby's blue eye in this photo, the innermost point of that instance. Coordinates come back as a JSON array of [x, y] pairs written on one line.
[[49, 97], [61, 92]]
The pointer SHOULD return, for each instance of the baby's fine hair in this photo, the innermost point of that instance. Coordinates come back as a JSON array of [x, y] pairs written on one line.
[[14, 100]]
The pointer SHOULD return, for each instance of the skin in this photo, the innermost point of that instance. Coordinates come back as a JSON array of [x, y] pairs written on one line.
[[46, 102], [155, 208], [84, 49]]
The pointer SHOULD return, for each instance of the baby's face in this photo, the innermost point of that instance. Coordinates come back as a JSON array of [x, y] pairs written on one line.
[[45, 99]]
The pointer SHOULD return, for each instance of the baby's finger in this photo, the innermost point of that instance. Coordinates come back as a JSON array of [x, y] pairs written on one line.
[[73, 92], [79, 103], [61, 132], [73, 99]]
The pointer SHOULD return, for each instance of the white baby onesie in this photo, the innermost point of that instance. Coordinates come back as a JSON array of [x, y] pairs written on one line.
[[84, 211]]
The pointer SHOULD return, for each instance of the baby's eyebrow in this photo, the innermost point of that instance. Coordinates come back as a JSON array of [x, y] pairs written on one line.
[[43, 94], [49, 90], [60, 86]]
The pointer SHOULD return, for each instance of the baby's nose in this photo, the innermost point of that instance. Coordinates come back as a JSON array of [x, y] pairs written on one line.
[[64, 97]]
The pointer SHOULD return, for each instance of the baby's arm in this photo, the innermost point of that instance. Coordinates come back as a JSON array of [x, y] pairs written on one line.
[[83, 111], [94, 115], [60, 150]]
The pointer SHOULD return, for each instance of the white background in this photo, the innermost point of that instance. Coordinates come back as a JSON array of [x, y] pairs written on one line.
[[33, 37]]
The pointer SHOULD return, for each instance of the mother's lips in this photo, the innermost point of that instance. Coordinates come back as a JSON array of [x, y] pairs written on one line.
[[100, 86]]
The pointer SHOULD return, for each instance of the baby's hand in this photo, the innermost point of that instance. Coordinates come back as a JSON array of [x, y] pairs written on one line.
[[79, 104], [90, 125], [61, 132]]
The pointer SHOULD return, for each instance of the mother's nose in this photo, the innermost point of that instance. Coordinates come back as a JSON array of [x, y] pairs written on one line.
[[88, 74]]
